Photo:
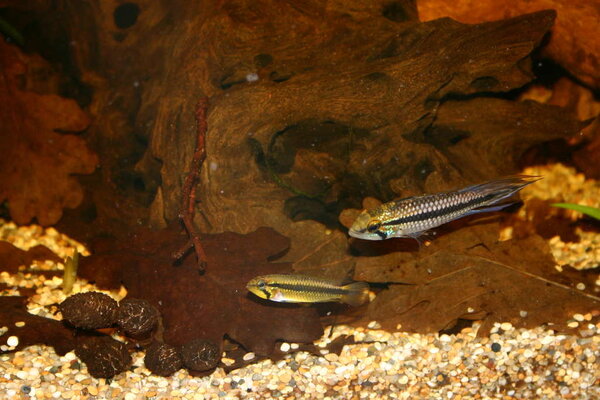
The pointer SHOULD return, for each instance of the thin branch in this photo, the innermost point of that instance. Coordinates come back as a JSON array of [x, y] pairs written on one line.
[[187, 210]]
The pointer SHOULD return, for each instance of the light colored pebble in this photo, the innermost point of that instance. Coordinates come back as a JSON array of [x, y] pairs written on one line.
[[374, 325], [578, 317], [12, 341], [506, 326], [257, 377], [285, 377], [285, 347]]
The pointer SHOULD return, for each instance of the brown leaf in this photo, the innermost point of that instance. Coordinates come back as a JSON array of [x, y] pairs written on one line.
[[212, 305], [468, 274], [320, 252], [574, 41], [11, 257], [36, 330], [586, 159], [37, 163]]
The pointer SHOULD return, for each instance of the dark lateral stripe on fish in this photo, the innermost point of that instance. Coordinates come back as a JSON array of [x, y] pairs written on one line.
[[442, 211], [307, 288]]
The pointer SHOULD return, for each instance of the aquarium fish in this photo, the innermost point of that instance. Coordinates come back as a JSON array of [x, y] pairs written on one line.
[[305, 289], [412, 216]]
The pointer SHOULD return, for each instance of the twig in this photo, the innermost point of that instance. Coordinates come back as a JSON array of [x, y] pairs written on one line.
[[187, 211]]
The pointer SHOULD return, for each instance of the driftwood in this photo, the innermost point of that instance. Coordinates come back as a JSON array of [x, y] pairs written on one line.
[[315, 106], [368, 70], [573, 43]]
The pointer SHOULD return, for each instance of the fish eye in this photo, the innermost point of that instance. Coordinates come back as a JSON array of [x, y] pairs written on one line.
[[374, 226], [261, 284]]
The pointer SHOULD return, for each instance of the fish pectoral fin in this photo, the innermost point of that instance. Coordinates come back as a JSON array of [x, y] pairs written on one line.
[[279, 297], [357, 293]]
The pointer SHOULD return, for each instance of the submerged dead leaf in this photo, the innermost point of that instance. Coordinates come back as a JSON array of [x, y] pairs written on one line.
[[11, 257], [37, 162], [31, 329], [468, 274], [212, 305]]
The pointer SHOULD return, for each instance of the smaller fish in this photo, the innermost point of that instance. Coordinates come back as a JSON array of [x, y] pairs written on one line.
[[412, 216], [305, 289]]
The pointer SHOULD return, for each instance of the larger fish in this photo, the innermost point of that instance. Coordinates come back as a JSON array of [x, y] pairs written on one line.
[[412, 216], [305, 289]]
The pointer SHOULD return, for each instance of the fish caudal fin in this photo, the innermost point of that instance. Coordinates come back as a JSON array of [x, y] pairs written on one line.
[[501, 189], [357, 293]]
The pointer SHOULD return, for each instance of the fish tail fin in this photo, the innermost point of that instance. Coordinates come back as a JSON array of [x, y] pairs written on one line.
[[357, 293], [501, 189]]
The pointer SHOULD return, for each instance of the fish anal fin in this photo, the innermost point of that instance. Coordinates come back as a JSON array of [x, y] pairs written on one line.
[[491, 208]]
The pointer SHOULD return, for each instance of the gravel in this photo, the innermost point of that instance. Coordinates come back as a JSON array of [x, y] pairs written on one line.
[[521, 363]]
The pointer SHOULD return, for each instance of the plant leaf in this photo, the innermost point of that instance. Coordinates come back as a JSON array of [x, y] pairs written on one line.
[[587, 210]]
